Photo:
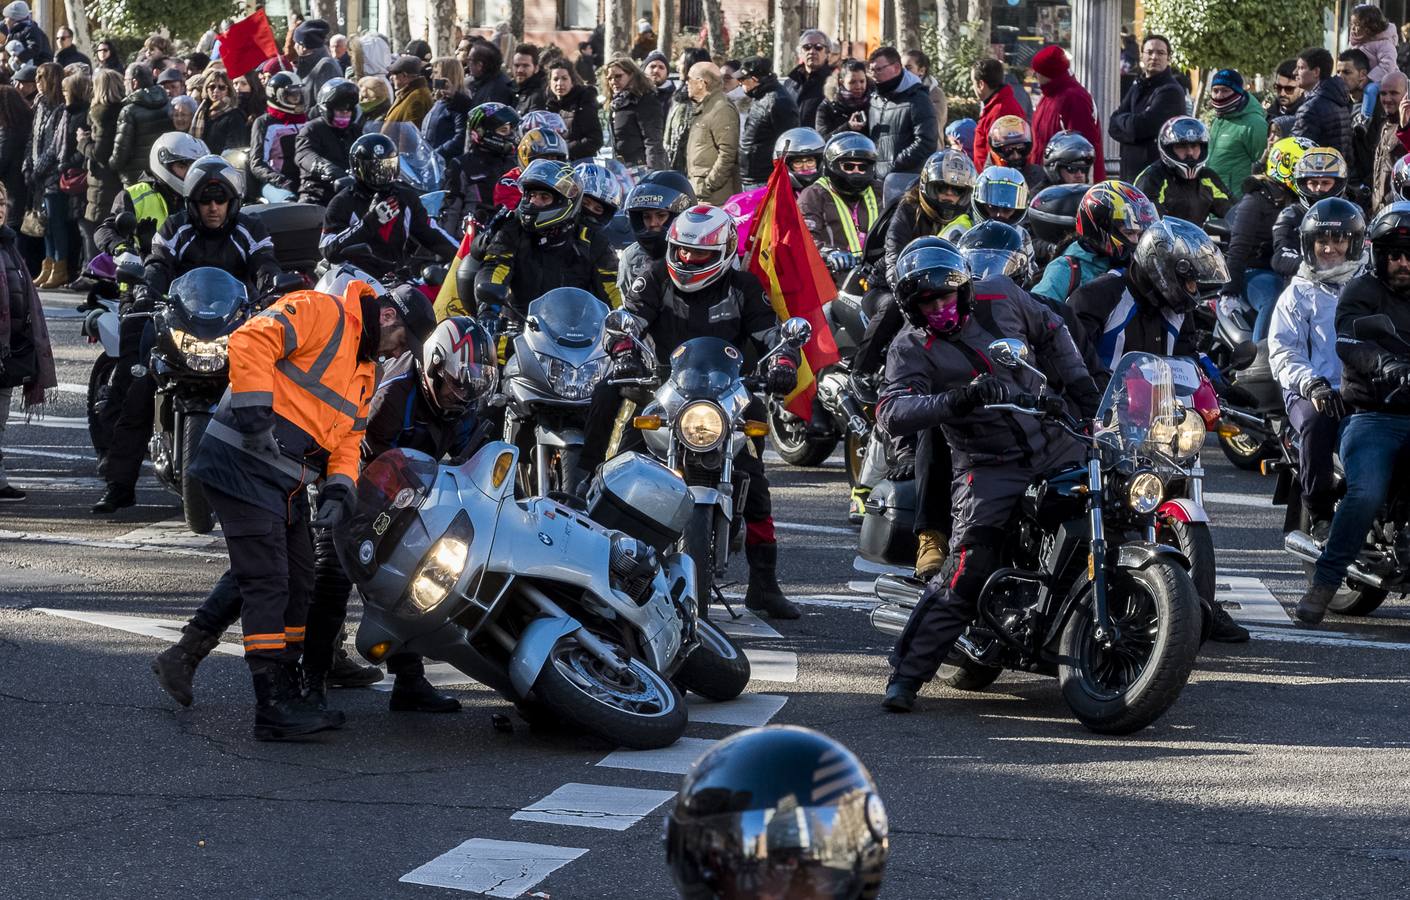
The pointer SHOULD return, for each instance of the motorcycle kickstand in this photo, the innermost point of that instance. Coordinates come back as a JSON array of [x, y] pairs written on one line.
[[725, 603]]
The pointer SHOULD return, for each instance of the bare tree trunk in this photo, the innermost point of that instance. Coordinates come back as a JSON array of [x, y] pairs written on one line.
[[400, 26], [908, 25], [714, 28], [947, 21], [78, 21], [666, 28], [617, 31], [443, 27], [788, 22], [327, 10], [981, 20], [516, 20]]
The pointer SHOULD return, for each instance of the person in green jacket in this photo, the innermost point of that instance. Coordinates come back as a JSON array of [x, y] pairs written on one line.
[[1239, 132]]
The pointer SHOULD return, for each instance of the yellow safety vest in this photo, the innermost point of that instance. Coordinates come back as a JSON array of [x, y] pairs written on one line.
[[148, 203], [844, 212]]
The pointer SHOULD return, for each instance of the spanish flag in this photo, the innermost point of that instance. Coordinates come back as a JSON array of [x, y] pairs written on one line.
[[448, 301], [784, 258]]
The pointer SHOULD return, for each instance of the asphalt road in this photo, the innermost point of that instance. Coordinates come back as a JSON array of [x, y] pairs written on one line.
[[1282, 771]]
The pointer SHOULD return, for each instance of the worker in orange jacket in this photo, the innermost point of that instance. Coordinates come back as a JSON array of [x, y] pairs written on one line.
[[302, 374]]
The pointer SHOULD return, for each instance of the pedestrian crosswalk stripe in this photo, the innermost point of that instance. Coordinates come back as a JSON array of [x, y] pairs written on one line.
[[745, 711], [772, 665], [593, 806], [493, 868], [673, 760], [1248, 600]]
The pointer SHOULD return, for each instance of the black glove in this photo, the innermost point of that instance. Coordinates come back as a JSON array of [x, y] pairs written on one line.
[[985, 390], [1326, 399], [626, 365], [142, 299], [782, 376], [261, 443], [334, 503], [903, 469], [1395, 372]]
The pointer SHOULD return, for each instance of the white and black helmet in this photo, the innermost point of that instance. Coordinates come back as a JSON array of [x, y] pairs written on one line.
[[701, 228], [798, 144], [213, 177], [459, 356], [172, 148]]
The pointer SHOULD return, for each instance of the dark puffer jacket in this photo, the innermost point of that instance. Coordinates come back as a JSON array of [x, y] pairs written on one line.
[[579, 112], [637, 130], [809, 90], [1325, 116], [145, 116], [1251, 228], [321, 152], [903, 126], [1149, 104], [771, 114]]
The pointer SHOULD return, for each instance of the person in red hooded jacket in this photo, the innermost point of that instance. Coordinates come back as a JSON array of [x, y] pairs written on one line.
[[1065, 105], [996, 100]]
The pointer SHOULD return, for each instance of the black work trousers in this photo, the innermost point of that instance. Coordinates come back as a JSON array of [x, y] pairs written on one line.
[[934, 480], [132, 429]]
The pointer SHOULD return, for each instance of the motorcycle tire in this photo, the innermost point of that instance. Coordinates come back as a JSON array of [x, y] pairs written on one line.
[[854, 452], [717, 669], [698, 542], [1244, 452], [194, 505], [100, 380], [964, 674], [1196, 541], [796, 449], [576, 685], [1355, 600], [1156, 614]]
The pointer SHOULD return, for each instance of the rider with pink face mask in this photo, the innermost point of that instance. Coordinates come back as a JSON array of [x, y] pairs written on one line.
[[932, 383], [322, 147]]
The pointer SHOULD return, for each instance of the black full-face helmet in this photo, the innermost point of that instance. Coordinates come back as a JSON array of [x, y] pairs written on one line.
[[374, 162], [666, 190], [1176, 265], [932, 269]]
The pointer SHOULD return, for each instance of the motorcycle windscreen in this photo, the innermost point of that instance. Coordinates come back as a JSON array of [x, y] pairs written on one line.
[[390, 490], [421, 165], [206, 301], [569, 317], [1140, 415], [704, 368]]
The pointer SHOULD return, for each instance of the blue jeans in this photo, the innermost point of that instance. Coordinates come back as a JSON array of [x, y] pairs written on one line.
[[1370, 444], [275, 194], [1261, 290], [56, 230]]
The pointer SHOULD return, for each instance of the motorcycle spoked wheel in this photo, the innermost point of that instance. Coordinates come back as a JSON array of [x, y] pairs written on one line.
[[636, 708], [194, 505], [1244, 451], [789, 435], [854, 451], [100, 379], [717, 669], [1155, 614], [1196, 541]]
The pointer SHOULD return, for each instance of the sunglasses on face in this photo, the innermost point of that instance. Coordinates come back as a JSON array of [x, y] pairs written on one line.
[[853, 168], [1285, 88], [1398, 255], [814, 47]]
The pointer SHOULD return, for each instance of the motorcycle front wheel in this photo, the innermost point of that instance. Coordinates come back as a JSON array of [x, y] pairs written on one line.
[[789, 435], [1122, 687], [636, 707], [717, 669], [194, 505]]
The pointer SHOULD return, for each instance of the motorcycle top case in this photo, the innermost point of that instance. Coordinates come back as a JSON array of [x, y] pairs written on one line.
[[295, 229], [887, 529], [639, 496]]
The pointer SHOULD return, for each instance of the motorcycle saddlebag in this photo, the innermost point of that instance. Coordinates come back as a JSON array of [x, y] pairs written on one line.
[[295, 229], [887, 535], [639, 496]]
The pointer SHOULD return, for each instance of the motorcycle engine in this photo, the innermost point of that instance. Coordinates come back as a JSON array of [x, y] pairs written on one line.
[[632, 566]]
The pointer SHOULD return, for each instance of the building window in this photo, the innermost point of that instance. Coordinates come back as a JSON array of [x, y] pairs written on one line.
[[692, 15], [577, 14]]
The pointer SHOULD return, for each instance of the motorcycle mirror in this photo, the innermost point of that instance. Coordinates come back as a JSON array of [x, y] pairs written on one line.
[[130, 268], [1245, 352], [795, 332], [621, 324], [532, 323], [434, 274], [125, 225], [1370, 328], [488, 294], [1009, 352]]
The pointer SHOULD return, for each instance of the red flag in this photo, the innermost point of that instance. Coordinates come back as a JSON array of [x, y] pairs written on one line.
[[247, 43], [784, 258]]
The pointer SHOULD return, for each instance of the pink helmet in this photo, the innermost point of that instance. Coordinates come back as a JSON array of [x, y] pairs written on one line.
[[701, 228]]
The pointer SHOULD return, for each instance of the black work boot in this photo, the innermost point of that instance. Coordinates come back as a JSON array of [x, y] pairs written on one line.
[[1313, 606], [280, 713], [312, 691], [116, 497], [1224, 630], [348, 672], [900, 695], [411, 692], [175, 666], [764, 594]]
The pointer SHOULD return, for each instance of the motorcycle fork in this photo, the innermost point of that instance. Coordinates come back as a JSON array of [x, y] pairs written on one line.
[[1096, 558]]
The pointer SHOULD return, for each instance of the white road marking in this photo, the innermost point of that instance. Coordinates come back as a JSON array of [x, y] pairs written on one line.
[[1248, 600], [1225, 498], [817, 529], [48, 538], [162, 629], [875, 568], [673, 760], [835, 601], [66, 422], [832, 462], [63, 484], [745, 711], [1322, 638], [493, 868], [747, 625], [174, 533], [593, 806], [772, 665]]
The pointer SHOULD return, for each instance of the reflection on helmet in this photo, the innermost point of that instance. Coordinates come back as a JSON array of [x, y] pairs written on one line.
[[928, 270], [1068, 151], [374, 161], [1000, 193], [1283, 156], [458, 366], [795, 145], [285, 91], [1010, 141], [997, 248], [1336, 218], [541, 144], [1183, 130], [778, 812], [1111, 218], [548, 176], [850, 161], [1052, 213], [337, 95], [669, 191], [947, 168], [1389, 232], [600, 185], [1319, 164], [543, 120], [483, 125], [1400, 178], [1176, 264], [700, 248], [171, 150]]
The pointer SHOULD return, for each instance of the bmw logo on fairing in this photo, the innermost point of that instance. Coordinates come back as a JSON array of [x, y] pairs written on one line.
[[545, 539]]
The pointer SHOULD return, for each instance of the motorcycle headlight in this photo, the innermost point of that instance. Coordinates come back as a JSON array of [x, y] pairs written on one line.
[[1189, 434], [574, 382], [1144, 492], [438, 573], [701, 425], [201, 356]]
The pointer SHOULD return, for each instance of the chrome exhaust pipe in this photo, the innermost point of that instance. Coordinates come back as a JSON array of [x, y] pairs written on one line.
[[890, 619], [1300, 544], [898, 589]]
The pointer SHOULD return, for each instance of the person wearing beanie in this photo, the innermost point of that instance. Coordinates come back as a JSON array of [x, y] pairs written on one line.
[[315, 65], [1238, 133], [959, 135], [657, 69], [23, 30], [1065, 106], [645, 40]]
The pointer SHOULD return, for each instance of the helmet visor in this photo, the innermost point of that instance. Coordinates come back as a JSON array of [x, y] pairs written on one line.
[[985, 263]]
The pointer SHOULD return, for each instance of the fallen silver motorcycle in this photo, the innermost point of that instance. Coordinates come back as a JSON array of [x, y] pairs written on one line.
[[584, 618]]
